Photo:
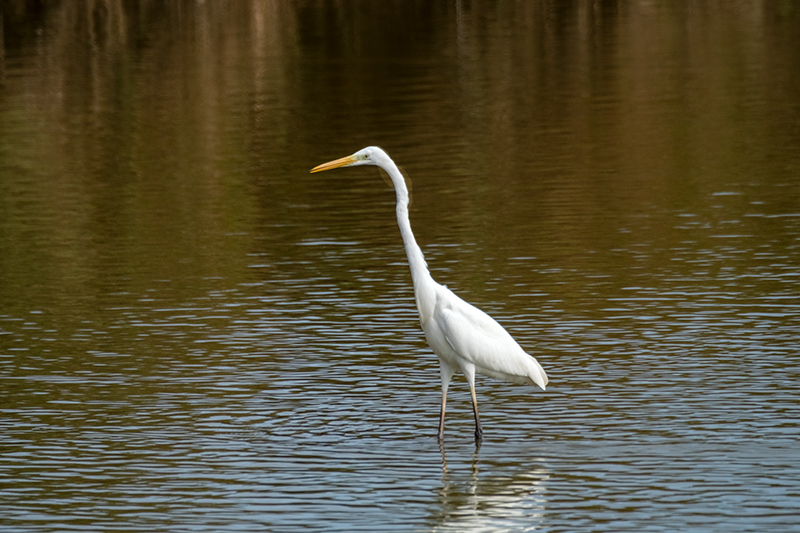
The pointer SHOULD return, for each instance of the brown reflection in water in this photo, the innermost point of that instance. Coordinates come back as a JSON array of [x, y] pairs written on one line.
[[147, 120]]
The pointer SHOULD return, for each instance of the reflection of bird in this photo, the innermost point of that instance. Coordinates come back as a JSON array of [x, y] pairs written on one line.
[[508, 495], [462, 336]]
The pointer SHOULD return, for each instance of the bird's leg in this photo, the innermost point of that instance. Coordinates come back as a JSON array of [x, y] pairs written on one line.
[[446, 371], [469, 372], [441, 416], [478, 429]]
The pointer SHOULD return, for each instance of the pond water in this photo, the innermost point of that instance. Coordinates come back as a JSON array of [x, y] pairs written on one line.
[[196, 334]]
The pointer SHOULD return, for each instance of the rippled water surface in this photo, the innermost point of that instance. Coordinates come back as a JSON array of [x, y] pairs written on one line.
[[198, 335]]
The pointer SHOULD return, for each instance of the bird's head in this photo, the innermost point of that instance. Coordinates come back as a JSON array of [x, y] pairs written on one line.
[[371, 155]]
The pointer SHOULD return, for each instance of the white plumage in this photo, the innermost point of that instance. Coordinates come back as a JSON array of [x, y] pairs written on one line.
[[461, 335]]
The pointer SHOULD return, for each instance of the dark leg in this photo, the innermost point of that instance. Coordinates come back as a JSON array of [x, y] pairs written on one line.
[[478, 429]]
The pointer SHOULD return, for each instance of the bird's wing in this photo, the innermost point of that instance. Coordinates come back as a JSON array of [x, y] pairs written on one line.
[[480, 340]]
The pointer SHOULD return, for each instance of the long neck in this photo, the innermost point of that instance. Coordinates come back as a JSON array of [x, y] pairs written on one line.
[[416, 261]]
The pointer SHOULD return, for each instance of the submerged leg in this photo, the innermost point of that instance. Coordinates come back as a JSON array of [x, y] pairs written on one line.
[[469, 371], [478, 429], [446, 372]]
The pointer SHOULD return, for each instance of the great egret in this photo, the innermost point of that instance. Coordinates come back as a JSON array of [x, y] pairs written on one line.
[[461, 335]]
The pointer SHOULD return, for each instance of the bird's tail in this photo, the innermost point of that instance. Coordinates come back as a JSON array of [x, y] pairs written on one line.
[[537, 375]]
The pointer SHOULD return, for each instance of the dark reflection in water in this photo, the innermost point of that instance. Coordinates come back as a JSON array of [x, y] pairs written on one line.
[[197, 335]]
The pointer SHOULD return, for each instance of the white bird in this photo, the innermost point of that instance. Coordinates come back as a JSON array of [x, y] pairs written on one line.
[[461, 335]]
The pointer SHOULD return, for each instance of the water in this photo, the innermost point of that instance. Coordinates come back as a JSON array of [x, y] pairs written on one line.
[[198, 335]]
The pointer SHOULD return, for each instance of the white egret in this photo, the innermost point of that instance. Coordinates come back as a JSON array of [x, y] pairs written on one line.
[[462, 336]]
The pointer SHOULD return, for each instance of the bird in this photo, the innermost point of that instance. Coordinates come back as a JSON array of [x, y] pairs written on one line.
[[462, 336]]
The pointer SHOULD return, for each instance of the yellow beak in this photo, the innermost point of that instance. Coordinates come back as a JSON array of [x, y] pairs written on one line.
[[334, 164]]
